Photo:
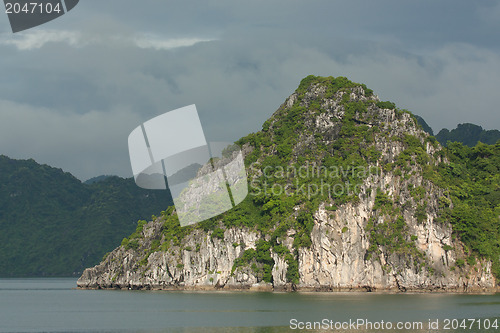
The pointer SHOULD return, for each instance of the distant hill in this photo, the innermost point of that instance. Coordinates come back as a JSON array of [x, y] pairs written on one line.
[[96, 179], [424, 125], [469, 135], [52, 224]]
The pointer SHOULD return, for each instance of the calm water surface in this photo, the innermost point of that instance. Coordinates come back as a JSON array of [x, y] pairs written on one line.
[[53, 305]]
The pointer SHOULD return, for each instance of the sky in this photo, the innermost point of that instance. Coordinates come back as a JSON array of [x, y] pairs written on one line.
[[73, 89]]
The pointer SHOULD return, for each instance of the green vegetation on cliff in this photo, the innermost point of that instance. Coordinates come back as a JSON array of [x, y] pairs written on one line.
[[473, 181]]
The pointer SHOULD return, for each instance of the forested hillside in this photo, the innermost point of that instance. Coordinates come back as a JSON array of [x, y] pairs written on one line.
[[469, 135], [51, 224]]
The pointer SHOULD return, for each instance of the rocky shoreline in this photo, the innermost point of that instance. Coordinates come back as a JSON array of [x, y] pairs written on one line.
[[211, 268], [270, 288]]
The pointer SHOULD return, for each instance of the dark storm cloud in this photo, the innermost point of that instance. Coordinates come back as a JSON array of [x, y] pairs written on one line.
[[73, 89]]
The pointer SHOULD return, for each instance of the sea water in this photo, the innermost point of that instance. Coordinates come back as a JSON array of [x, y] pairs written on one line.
[[55, 305]]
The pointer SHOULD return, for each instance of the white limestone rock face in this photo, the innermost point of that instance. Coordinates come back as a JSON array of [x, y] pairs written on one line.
[[335, 261]]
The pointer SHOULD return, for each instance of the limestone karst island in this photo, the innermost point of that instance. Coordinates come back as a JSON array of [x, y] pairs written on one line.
[[346, 193]]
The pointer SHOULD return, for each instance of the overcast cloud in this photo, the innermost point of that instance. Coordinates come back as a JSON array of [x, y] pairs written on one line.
[[73, 89]]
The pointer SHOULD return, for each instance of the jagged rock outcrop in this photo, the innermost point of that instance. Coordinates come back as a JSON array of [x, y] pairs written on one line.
[[387, 236], [335, 261]]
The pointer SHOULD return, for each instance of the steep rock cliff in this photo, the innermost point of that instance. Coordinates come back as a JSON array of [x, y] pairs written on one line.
[[364, 216]]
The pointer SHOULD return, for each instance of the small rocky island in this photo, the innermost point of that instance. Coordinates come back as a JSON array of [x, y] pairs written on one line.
[[347, 193]]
